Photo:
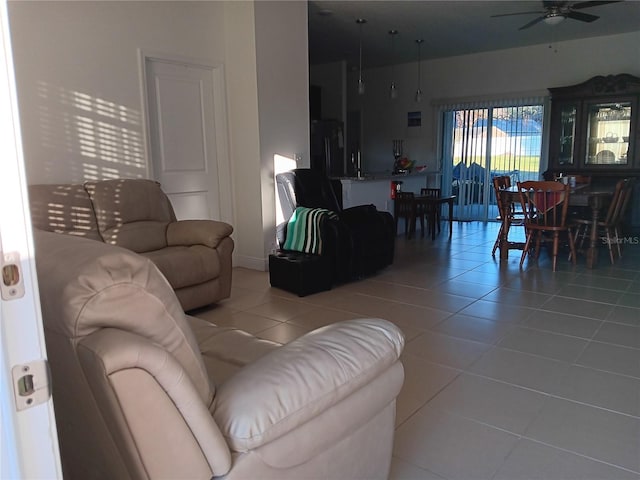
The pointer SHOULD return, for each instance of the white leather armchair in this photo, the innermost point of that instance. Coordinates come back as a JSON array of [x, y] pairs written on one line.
[[143, 391]]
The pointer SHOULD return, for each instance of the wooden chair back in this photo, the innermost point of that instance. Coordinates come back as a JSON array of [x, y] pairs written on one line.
[[544, 204], [617, 201], [500, 183], [404, 204], [405, 207], [431, 192], [620, 201]]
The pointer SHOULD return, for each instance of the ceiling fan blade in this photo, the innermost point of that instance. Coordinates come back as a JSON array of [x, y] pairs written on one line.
[[580, 5], [532, 23], [583, 17], [519, 13]]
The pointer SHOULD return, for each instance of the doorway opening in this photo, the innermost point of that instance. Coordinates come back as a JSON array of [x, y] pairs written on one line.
[[481, 143]]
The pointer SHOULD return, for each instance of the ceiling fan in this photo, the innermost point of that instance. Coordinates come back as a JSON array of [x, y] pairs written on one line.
[[556, 11]]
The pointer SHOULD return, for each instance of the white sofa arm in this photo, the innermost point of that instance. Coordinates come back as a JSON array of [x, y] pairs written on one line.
[[197, 232], [297, 382]]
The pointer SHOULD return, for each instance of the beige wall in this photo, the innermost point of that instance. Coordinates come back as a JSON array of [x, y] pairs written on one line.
[[80, 97]]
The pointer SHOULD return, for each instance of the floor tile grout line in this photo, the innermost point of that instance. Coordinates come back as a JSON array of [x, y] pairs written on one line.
[[619, 467], [548, 395]]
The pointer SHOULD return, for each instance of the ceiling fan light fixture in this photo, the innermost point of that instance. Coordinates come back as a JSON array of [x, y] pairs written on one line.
[[554, 18]]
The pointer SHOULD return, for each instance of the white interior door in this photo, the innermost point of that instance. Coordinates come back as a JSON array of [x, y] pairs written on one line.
[[182, 127]]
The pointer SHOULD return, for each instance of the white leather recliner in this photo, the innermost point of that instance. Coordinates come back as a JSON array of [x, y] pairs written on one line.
[[143, 391]]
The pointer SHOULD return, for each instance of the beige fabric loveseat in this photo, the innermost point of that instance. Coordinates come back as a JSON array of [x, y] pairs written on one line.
[[143, 391], [194, 255]]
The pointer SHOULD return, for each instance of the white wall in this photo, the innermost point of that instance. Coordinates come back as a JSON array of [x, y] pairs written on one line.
[[528, 69], [78, 82], [244, 131], [283, 96]]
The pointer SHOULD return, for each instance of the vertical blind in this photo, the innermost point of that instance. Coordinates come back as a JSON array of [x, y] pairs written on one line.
[[485, 137]]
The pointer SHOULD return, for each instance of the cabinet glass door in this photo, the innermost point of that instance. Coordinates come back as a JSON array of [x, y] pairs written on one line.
[[567, 134], [608, 126]]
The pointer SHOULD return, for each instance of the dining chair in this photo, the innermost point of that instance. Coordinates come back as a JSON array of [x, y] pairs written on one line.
[[405, 207], [610, 225], [544, 204], [432, 213], [509, 211]]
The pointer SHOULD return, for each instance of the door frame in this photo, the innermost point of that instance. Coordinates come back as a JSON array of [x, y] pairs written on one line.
[[28, 436], [225, 173]]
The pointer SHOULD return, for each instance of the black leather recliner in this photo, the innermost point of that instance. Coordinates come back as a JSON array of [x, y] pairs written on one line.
[[360, 242]]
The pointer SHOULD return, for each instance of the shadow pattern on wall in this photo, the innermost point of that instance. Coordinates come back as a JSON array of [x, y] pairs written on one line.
[[88, 137]]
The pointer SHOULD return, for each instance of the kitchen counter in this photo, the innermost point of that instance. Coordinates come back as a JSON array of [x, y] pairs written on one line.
[[375, 188], [368, 177]]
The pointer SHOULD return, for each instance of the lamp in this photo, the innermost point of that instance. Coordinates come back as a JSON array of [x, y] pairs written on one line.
[[360, 22], [553, 18], [393, 90], [419, 91]]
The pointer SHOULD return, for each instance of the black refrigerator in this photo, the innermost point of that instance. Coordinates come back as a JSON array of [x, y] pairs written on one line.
[[327, 148]]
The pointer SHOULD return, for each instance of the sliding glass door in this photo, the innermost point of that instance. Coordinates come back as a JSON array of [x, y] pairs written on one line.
[[486, 141]]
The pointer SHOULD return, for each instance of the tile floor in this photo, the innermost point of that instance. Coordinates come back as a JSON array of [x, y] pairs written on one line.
[[510, 374]]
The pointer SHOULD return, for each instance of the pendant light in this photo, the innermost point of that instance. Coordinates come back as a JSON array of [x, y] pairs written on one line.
[[393, 89], [419, 91], [360, 22]]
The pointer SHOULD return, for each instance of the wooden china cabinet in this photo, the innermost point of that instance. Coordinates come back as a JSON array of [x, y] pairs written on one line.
[[594, 131]]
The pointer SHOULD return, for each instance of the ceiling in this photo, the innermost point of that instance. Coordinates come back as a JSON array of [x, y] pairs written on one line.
[[449, 28]]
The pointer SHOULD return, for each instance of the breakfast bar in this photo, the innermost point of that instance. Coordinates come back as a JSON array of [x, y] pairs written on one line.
[[377, 188]]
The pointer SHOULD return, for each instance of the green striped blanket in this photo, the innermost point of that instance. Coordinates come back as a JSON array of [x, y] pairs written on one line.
[[303, 229]]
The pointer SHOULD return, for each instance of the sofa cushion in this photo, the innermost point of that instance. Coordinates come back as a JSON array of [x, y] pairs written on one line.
[[139, 237], [131, 213], [225, 350], [63, 209], [102, 286], [185, 266]]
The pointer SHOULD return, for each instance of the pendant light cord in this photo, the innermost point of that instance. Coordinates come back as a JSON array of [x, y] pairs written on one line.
[[360, 22]]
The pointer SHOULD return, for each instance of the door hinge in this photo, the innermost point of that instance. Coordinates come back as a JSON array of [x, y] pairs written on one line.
[[12, 285], [31, 384]]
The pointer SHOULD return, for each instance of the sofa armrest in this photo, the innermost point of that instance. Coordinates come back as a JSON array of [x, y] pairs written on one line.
[[143, 390], [297, 382], [197, 232]]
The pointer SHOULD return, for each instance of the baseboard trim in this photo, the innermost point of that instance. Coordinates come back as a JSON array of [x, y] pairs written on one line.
[[252, 263]]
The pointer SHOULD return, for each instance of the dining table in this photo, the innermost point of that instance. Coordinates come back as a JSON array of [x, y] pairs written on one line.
[[582, 195], [430, 206]]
